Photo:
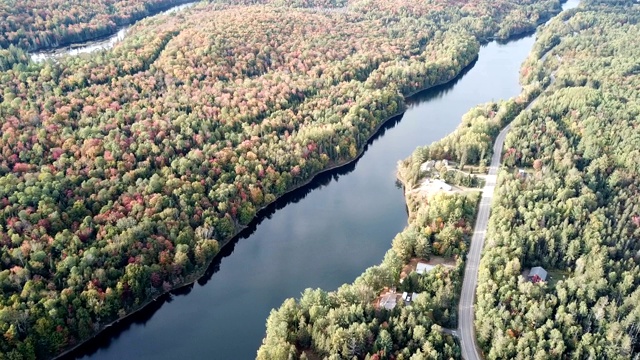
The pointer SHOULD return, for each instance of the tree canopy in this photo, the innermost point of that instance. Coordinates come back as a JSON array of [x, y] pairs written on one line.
[[577, 215], [45, 24], [123, 172]]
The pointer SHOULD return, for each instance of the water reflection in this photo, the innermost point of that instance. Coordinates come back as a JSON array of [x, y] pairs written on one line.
[[322, 180], [344, 224], [438, 92], [321, 235]]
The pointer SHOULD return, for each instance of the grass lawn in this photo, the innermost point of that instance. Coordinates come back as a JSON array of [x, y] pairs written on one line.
[[555, 275]]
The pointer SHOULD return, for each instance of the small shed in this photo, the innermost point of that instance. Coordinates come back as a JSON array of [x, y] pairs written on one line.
[[422, 268], [537, 274]]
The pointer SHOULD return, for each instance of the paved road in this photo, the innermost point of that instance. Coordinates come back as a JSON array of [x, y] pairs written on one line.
[[466, 329]]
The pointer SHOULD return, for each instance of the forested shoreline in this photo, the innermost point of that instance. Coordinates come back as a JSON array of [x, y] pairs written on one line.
[[122, 172], [439, 226], [351, 322], [45, 25], [574, 211], [198, 273], [565, 201]]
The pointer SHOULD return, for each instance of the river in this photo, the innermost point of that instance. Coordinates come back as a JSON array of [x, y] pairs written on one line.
[[322, 235], [101, 44]]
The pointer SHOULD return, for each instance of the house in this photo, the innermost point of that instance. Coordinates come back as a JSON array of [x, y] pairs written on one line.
[[427, 166], [409, 297], [388, 301], [537, 274], [422, 268]]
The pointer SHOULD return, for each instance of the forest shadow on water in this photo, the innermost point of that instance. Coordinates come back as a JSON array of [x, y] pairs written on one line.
[[517, 37], [104, 339], [344, 225]]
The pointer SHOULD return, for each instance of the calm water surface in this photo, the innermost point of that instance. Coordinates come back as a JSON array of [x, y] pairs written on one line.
[[322, 235], [326, 235]]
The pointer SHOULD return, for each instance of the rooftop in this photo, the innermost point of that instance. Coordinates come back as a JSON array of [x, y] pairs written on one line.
[[539, 272], [421, 268], [388, 301]]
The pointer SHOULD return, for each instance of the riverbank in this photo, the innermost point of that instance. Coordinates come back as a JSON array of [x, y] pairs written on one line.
[[197, 275], [95, 36], [432, 218], [144, 290], [108, 39], [307, 327], [280, 319], [256, 266], [103, 41], [200, 272]]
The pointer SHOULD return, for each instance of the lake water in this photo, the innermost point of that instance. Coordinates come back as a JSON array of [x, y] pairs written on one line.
[[322, 235]]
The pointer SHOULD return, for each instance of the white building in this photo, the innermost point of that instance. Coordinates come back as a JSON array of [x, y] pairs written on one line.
[[422, 268], [427, 166], [409, 297]]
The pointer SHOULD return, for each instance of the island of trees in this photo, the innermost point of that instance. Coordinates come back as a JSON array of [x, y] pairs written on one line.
[[123, 172]]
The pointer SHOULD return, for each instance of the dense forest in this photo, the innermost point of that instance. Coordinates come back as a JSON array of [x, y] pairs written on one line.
[[350, 323], [43, 24], [576, 212], [572, 211], [123, 172]]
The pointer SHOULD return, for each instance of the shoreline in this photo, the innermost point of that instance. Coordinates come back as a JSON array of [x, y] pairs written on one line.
[[64, 48], [201, 272], [191, 279], [104, 39]]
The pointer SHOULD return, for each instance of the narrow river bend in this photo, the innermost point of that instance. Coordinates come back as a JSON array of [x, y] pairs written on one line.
[[322, 235], [99, 44]]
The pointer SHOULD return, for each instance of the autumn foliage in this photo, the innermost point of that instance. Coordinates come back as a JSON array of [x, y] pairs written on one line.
[[123, 172], [43, 24]]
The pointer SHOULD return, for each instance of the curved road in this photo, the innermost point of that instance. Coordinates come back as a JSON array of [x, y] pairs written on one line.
[[466, 328]]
